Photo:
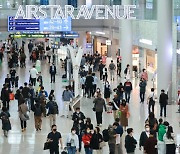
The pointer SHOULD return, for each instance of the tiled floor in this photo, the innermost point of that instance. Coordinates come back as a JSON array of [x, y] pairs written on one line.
[[31, 142]]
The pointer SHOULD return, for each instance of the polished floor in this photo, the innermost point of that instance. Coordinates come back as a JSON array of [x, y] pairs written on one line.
[[31, 142]]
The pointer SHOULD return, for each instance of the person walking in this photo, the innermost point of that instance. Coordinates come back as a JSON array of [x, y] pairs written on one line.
[[105, 74], [120, 91], [115, 106], [26, 95], [86, 138], [23, 109], [101, 66], [150, 144], [89, 85], [130, 142], [38, 116], [72, 142], [119, 68], [144, 75], [112, 139], [5, 96], [95, 81], [99, 103], [52, 71], [78, 116], [144, 136], [124, 114], [6, 125], [163, 101], [107, 91], [127, 90], [169, 139], [54, 138], [96, 140], [151, 100], [66, 97], [142, 86], [33, 75], [112, 68], [52, 111], [13, 76], [127, 72]]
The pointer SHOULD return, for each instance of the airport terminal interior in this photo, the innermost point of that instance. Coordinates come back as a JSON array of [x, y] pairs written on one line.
[[102, 85]]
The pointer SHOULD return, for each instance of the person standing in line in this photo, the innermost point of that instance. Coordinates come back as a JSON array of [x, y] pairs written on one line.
[[101, 66], [38, 116], [142, 86], [112, 68], [107, 91], [144, 75], [94, 82], [150, 144], [163, 101], [124, 114], [169, 139], [99, 103], [52, 72], [112, 139], [86, 138], [144, 136], [130, 142], [66, 97], [89, 85], [151, 100], [52, 111], [127, 90], [23, 109], [6, 125], [33, 75], [72, 142], [127, 72], [54, 138], [96, 140]]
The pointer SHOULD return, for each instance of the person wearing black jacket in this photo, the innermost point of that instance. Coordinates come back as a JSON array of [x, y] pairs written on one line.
[[163, 101], [38, 116], [101, 66], [130, 142], [8, 81], [142, 86], [52, 72], [144, 136], [127, 90], [26, 94], [5, 96], [89, 85], [78, 116], [13, 76]]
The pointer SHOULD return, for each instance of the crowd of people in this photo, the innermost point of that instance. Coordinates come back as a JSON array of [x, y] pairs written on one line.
[[158, 136]]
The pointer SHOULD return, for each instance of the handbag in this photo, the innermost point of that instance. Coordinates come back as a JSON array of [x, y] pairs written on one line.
[[23, 116], [102, 144], [46, 145]]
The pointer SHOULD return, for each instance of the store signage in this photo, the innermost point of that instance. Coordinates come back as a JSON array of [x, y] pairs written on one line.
[[95, 11], [145, 41], [108, 42], [48, 25], [88, 45], [61, 35]]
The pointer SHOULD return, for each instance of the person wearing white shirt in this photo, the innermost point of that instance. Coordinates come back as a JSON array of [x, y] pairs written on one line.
[[72, 142], [33, 75], [151, 100]]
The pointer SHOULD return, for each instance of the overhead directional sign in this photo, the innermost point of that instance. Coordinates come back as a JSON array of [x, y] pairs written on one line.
[[43, 25]]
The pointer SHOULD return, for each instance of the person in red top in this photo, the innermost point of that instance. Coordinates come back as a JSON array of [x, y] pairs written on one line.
[[86, 140]]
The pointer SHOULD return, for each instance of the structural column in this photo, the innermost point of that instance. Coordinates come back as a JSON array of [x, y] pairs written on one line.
[[82, 41], [126, 40], [164, 47]]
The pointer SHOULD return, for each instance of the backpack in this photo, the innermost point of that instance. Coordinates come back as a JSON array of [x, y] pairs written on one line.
[[111, 66], [125, 71], [38, 111], [4, 118], [55, 108], [105, 133]]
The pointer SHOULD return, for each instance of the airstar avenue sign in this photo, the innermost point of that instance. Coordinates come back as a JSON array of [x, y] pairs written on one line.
[[56, 12]]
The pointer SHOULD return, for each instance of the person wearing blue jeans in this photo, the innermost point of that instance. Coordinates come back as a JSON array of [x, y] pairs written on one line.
[[127, 90]]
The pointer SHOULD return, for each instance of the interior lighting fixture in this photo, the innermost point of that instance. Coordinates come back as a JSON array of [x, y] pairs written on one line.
[[102, 33], [178, 51], [145, 41]]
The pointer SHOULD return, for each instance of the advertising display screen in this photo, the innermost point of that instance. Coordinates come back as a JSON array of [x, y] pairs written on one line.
[[43, 25]]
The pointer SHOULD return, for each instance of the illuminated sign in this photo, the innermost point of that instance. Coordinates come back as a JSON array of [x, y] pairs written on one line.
[[108, 42], [48, 25], [84, 12]]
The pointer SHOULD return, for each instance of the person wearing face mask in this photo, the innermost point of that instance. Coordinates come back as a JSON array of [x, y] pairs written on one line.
[[86, 138], [144, 136], [144, 75], [72, 142], [54, 138], [130, 142], [77, 116]]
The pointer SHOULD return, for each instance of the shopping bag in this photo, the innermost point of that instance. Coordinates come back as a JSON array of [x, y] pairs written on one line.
[[109, 109], [11, 96]]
